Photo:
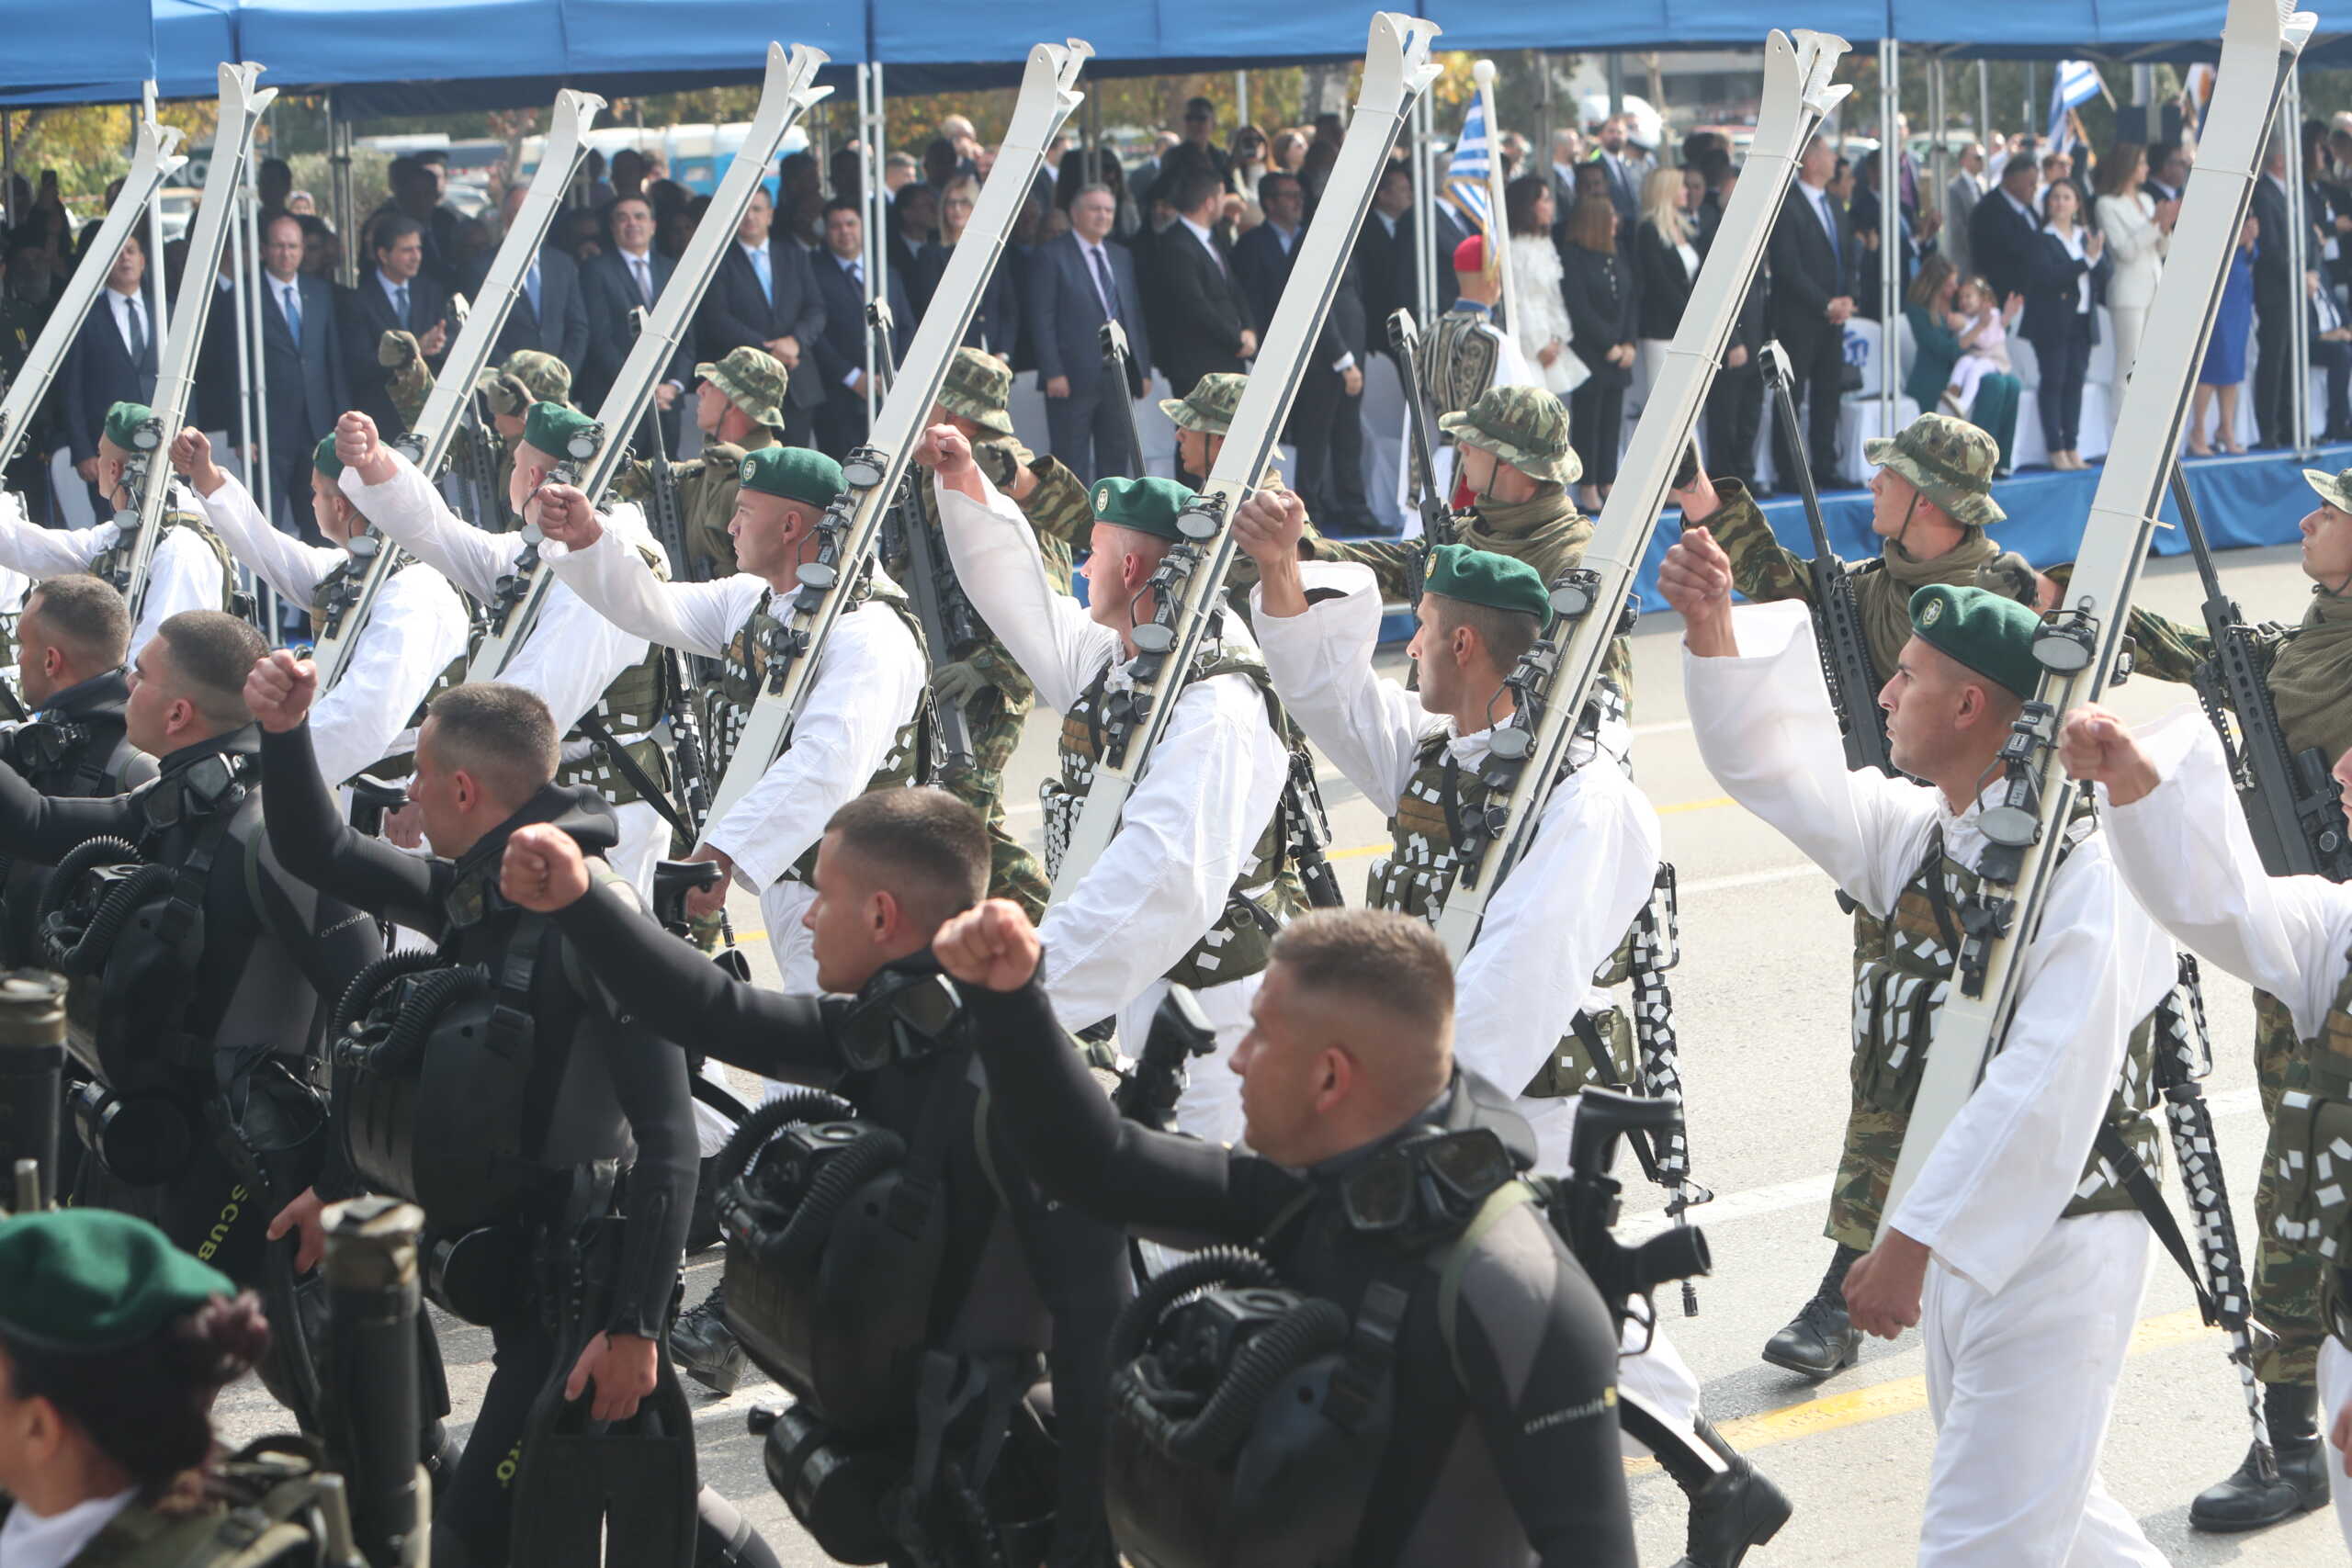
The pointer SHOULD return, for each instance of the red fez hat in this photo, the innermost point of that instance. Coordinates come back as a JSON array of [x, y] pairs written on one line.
[[1470, 255]]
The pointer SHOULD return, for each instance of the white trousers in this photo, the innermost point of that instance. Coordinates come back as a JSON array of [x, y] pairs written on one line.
[[644, 840], [2334, 1393], [2019, 1384]]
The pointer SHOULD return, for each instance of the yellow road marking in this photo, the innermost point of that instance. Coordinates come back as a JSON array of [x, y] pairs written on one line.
[[1899, 1396]]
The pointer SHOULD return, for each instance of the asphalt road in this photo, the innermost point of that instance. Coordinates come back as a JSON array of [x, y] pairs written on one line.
[[1762, 1012]]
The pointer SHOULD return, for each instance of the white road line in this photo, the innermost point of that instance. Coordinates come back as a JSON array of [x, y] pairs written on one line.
[[1751, 878]]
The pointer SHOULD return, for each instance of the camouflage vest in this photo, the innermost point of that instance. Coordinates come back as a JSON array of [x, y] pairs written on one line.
[[1461, 363], [1418, 871], [730, 703], [113, 563], [1264, 897], [2311, 1142], [1898, 993], [627, 711]]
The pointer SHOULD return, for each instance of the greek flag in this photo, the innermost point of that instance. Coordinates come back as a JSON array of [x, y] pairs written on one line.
[[2077, 82], [1465, 177]]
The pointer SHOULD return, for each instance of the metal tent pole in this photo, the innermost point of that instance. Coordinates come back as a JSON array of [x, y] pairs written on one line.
[[870, 129], [1890, 230], [8, 167], [341, 196], [1543, 105], [1240, 98], [1938, 152], [1985, 105], [249, 278], [1425, 212], [2290, 134]]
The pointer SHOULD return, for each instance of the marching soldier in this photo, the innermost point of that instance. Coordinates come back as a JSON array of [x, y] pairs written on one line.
[[2181, 845], [1201, 872], [2309, 680], [859, 730], [1932, 502], [2019, 1249], [739, 408], [583, 1103], [974, 672], [1467, 355], [72, 641], [1529, 992], [604, 686], [528, 375], [415, 631], [894, 866], [190, 568]]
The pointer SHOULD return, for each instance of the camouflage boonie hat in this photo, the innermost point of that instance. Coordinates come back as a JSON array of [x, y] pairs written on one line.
[[1952, 462], [529, 376], [1525, 426], [2333, 488], [978, 388], [753, 380], [1209, 406]]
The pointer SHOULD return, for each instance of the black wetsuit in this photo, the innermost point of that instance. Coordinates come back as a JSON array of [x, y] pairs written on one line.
[[72, 745], [227, 1028], [1063, 1263], [608, 1091], [1521, 1465]]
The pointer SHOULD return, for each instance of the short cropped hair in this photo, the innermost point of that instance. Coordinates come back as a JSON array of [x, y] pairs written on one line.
[[213, 652], [1196, 186], [1505, 634], [932, 848], [501, 734], [86, 615], [1392, 960]]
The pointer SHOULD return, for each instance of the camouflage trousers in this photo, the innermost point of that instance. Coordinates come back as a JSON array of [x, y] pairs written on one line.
[[1573, 1067], [2287, 1283], [1013, 872], [1873, 1137]]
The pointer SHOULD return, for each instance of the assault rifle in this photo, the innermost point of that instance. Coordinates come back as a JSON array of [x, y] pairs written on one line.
[[1118, 360], [1844, 645], [922, 562], [1585, 1204], [1437, 518], [2291, 800]]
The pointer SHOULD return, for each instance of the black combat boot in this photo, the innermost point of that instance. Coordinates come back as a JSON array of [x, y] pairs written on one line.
[[1820, 1342], [1731, 1509], [2247, 1502], [701, 1342]]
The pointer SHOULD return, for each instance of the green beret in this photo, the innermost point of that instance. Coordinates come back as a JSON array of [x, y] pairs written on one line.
[[552, 428], [795, 473], [1990, 633], [1482, 576], [1147, 506], [124, 422], [323, 459], [94, 1280]]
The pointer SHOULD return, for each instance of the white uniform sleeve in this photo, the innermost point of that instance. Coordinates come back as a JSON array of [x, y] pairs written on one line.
[[2185, 854], [1209, 791], [1767, 732], [40, 552], [867, 681], [286, 564], [2009, 1162], [410, 513], [183, 575], [700, 618], [570, 655], [416, 626], [1048, 632], [1553, 922], [1370, 728]]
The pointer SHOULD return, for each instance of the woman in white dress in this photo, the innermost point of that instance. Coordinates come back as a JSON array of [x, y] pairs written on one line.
[[1535, 314], [2138, 228]]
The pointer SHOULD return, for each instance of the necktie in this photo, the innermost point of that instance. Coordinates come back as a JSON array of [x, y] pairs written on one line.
[[290, 298], [138, 321], [644, 279], [531, 287], [767, 282], [400, 303], [857, 270], [1103, 281]]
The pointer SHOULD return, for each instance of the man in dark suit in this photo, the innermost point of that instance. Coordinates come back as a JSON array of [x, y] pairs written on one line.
[[392, 295], [550, 313], [1077, 281], [2004, 231], [302, 361], [629, 277], [1615, 159], [1813, 293], [113, 360], [840, 350], [765, 296], [1203, 321], [2276, 299], [417, 194], [1324, 422]]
